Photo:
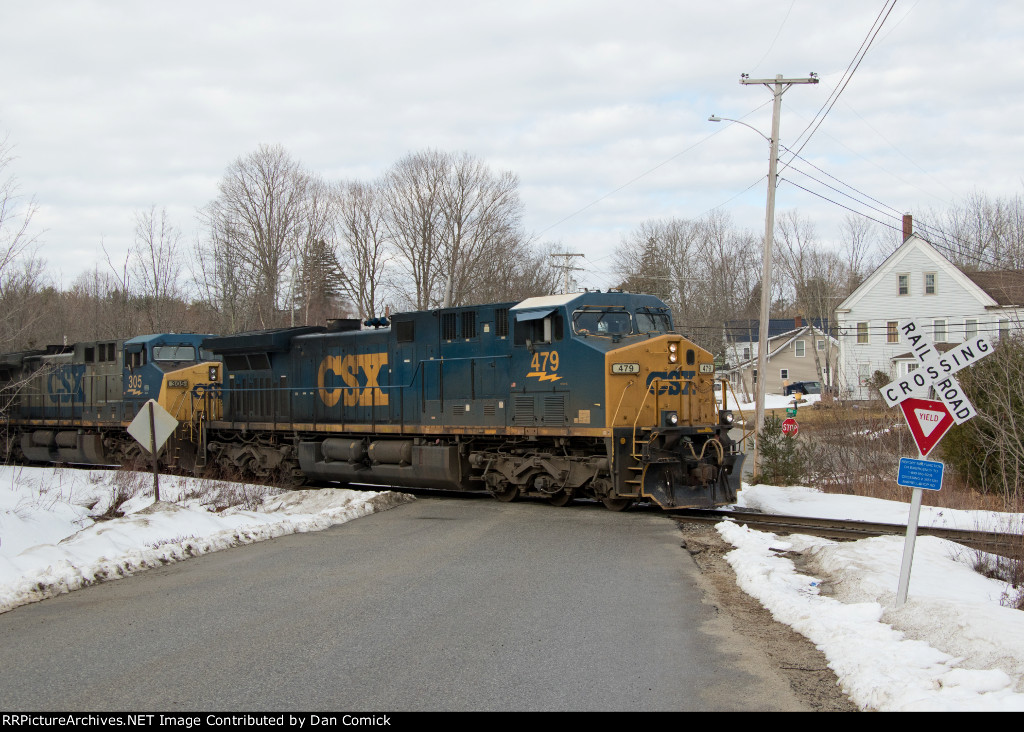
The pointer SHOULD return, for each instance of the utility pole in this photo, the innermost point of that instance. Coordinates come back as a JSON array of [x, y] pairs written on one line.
[[778, 87], [567, 268]]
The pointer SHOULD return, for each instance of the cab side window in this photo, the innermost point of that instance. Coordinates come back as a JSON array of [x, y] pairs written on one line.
[[539, 330]]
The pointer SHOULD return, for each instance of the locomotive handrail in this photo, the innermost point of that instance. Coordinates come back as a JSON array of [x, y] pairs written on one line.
[[746, 433], [650, 389]]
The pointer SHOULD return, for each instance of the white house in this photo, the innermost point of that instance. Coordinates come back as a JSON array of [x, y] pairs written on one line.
[[916, 282]]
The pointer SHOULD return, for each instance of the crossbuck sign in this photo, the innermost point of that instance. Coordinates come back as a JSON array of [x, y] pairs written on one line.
[[928, 421], [937, 369]]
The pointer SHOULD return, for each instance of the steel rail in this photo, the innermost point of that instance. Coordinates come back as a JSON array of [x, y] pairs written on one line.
[[987, 541]]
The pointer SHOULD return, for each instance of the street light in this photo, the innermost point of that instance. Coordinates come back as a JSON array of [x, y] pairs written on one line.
[[716, 118], [780, 86]]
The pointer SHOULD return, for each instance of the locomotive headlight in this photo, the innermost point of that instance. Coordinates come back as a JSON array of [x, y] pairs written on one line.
[[672, 358], [672, 419], [673, 347], [725, 416]]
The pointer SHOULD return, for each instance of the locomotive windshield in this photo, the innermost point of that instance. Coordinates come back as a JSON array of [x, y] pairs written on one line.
[[174, 353], [648, 321], [602, 321]]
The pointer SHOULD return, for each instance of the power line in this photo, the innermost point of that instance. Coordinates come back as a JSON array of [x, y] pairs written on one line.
[[844, 81], [842, 193], [836, 203]]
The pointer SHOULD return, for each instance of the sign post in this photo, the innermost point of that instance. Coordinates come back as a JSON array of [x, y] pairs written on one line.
[[920, 475], [151, 428], [928, 420]]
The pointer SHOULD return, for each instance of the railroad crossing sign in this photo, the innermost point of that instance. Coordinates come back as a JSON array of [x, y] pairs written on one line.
[[790, 427], [928, 421], [935, 369]]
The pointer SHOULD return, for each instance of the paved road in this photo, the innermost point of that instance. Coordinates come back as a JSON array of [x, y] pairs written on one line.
[[441, 604]]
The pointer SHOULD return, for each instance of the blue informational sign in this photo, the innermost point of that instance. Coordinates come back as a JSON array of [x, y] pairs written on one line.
[[926, 474]]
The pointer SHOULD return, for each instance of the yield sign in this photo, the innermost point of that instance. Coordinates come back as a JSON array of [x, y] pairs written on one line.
[[928, 421]]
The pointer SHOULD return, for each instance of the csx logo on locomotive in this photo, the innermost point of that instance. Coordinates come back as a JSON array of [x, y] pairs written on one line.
[[65, 385], [672, 382], [348, 368]]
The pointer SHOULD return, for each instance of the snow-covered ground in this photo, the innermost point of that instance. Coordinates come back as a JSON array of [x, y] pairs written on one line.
[[774, 401], [49, 544], [953, 646]]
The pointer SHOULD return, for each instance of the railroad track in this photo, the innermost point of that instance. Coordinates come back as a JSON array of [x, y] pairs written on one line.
[[995, 543]]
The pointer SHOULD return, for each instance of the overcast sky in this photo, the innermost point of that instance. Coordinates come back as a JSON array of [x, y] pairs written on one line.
[[600, 107]]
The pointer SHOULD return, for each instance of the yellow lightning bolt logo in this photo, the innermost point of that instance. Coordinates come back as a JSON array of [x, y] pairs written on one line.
[[545, 366]]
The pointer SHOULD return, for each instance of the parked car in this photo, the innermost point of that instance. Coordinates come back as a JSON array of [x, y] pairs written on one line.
[[802, 387]]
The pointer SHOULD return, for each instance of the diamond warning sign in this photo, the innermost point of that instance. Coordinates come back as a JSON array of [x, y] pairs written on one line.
[[928, 421]]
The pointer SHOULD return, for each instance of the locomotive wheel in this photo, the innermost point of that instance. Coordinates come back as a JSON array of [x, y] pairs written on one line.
[[560, 499], [617, 504], [507, 493]]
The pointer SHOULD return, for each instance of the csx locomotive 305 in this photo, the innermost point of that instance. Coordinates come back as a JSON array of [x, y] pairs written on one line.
[[581, 395]]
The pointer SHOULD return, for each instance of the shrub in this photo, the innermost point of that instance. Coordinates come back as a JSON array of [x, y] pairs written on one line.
[[782, 458], [988, 450]]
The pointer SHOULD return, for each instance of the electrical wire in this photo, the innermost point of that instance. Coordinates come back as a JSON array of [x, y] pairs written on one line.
[[844, 81]]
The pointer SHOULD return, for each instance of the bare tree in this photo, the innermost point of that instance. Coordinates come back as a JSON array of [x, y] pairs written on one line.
[[363, 242], [412, 197], [18, 266], [257, 218], [318, 282], [482, 214], [819, 279], [449, 217], [980, 233], [704, 270], [155, 268], [860, 244]]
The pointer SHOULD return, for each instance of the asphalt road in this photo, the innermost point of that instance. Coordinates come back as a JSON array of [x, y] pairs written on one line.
[[440, 604]]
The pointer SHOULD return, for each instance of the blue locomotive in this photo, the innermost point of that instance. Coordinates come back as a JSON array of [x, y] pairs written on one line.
[[582, 395], [73, 404]]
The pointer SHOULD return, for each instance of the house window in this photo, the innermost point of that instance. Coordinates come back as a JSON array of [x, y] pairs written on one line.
[[783, 374], [746, 354], [892, 332], [863, 373], [970, 328], [1004, 328], [939, 330], [929, 283], [903, 284], [862, 333], [821, 344], [755, 377], [799, 348]]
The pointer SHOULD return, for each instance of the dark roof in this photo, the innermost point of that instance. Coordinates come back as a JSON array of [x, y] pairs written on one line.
[[1005, 286], [749, 330]]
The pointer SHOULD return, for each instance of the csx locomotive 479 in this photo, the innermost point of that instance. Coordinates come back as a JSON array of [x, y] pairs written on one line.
[[581, 395]]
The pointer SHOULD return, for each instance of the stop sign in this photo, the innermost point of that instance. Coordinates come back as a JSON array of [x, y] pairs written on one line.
[[790, 427]]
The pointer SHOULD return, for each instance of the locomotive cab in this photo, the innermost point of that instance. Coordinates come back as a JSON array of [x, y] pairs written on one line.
[[610, 365]]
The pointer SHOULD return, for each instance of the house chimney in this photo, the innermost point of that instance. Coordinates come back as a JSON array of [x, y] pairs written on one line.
[[798, 322], [908, 226]]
